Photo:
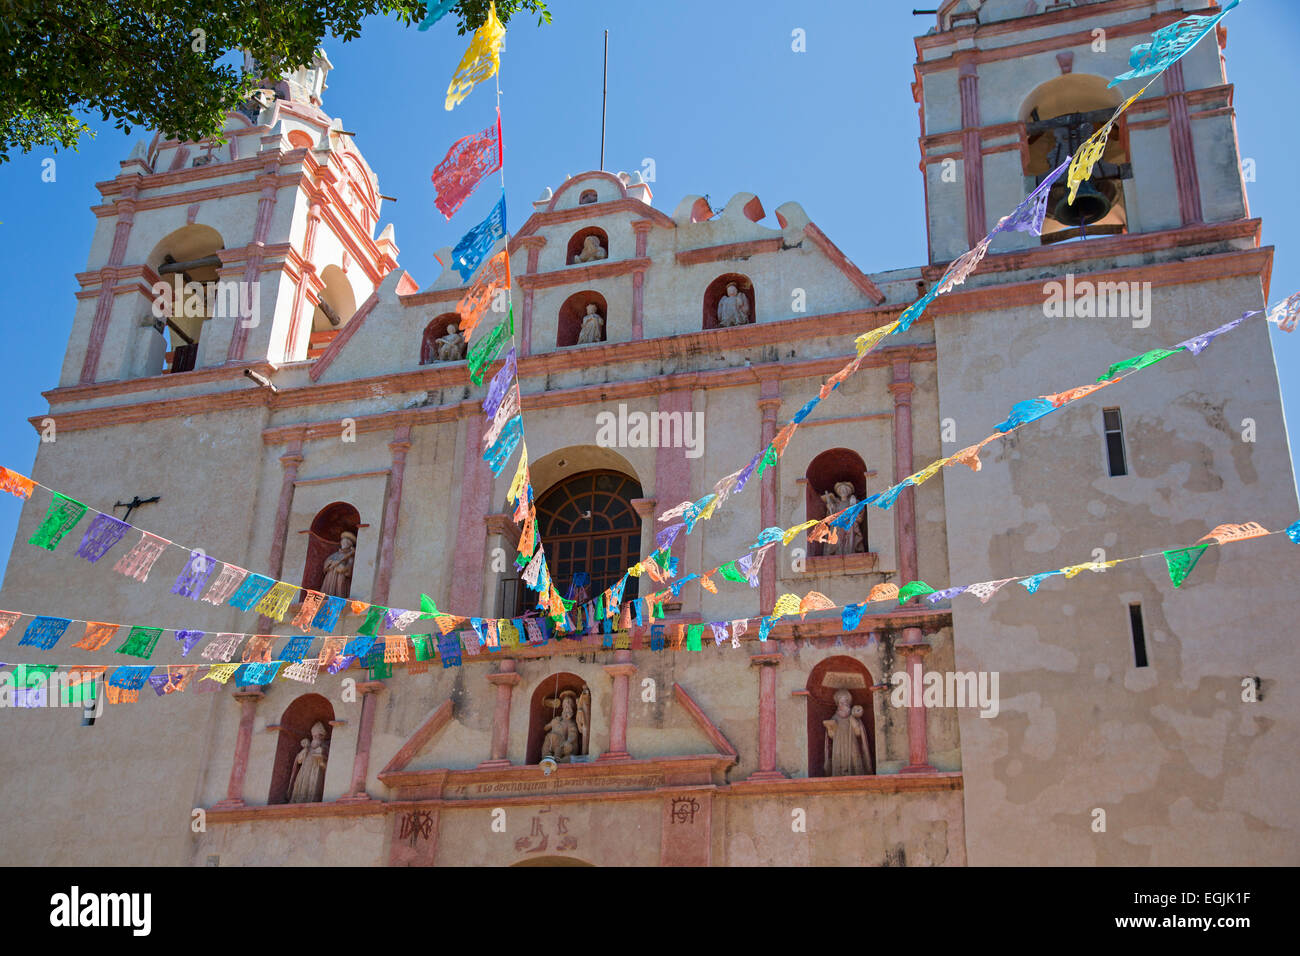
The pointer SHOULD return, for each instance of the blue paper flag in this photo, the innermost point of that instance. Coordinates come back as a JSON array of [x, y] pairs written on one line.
[[1031, 409], [478, 242]]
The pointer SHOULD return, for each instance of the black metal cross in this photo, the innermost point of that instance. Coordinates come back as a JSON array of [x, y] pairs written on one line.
[[134, 503]]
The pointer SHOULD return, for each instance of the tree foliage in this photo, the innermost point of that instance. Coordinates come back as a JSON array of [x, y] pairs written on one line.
[[158, 63]]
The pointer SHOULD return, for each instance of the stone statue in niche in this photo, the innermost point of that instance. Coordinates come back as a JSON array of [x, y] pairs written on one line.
[[568, 734], [591, 251], [593, 326], [847, 753], [309, 767], [733, 308], [451, 347], [839, 498], [338, 567]]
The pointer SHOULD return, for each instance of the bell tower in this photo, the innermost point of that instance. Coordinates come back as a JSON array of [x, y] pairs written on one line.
[[1008, 89], [256, 249]]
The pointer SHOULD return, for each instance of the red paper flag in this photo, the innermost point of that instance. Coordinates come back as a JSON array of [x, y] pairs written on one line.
[[466, 163]]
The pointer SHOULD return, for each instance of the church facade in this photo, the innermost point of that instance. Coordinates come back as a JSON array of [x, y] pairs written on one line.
[[317, 424]]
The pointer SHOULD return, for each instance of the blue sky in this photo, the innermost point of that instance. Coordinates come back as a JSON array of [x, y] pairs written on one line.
[[712, 92]]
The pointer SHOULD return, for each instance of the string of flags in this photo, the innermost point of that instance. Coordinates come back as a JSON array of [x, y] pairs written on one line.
[[258, 665], [467, 163]]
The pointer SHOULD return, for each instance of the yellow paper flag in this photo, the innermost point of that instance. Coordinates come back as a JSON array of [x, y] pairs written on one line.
[[480, 60]]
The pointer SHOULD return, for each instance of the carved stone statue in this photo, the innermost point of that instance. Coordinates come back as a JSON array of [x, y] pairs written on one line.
[[733, 308], [567, 734], [451, 347], [847, 753], [841, 497], [338, 567], [591, 251], [309, 767], [593, 326]]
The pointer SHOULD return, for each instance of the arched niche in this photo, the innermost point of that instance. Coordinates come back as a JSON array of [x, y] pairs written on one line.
[[295, 726], [338, 303], [301, 139], [325, 537], [587, 197], [1058, 116], [569, 327], [717, 291], [579, 239], [434, 331], [552, 861], [540, 713], [829, 676], [190, 253], [828, 469]]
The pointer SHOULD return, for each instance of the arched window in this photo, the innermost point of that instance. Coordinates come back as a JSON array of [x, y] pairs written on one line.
[[547, 703], [587, 197], [828, 678], [187, 261], [435, 330], [1058, 116], [573, 314], [337, 304], [733, 309], [296, 725], [580, 250], [589, 525], [331, 524], [836, 466]]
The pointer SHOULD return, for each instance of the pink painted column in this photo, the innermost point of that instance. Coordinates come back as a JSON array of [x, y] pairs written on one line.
[[905, 507], [296, 317], [247, 711], [672, 467], [1180, 140], [972, 151], [641, 227], [914, 650], [769, 404], [107, 279], [365, 731], [471, 535], [261, 228], [766, 664], [505, 681], [534, 245], [621, 670], [289, 462], [399, 446]]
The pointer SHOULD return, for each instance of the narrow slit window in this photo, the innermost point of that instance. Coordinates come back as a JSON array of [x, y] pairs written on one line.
[[1114, 430], [1139, 635]]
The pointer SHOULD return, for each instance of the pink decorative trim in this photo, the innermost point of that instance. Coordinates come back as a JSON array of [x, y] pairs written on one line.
[[769, 403], [427, 730], [732, 250], [638, 305], [710, 729], [471, 536], [767, 664], [350, 329], [913, 650], [621, 671], [505, 681], [365, 732], [247, 711], [289, 461], [1065, 61], [1180, 140], [843, 263], [399, 446], [972, 157], [672, 467], [574, 274], [905, 508], [526, 326], [587, 176]]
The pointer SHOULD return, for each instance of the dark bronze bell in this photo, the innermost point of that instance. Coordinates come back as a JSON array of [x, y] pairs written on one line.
[[1090, 205]]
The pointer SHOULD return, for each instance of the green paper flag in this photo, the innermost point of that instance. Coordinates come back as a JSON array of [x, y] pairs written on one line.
[[428, 606], [381, 671], [62, 517], [1140, 361], [662, 558], [141, 642], [912, 589], [1181, 562], [485, 351], [371, 624], [423, 644], [659, 610], [693, 637], [730, 572], [769, 459], [600, 606]]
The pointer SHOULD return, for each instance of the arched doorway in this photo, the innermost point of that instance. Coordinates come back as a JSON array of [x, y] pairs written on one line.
[[590, 526]]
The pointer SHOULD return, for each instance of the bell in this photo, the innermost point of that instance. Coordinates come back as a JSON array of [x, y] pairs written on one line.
[[1090, 205]]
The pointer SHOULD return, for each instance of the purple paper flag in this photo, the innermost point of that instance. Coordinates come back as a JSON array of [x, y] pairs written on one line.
[[104, 532], [195, 575], [500, 384]]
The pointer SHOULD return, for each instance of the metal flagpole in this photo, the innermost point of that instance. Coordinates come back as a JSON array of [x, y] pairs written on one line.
[[604, 95]]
